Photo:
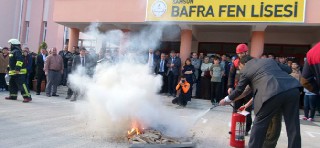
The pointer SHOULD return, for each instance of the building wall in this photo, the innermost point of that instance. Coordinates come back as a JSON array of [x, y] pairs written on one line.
[[35, 14], [9, 20]]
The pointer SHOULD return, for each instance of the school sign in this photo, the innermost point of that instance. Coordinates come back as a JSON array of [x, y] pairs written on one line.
[[287, 11]]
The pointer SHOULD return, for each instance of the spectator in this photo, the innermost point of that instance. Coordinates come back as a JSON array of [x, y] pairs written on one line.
[[295, 71], [161, 69], [28, 61], [173, 65], [196, 63], [81, 60], [205, 78], [310, 104], [53, 69], [216, 72], [41, 58], [188, 72], [70, 56], [224, 81], [4, 62], [63, 53]]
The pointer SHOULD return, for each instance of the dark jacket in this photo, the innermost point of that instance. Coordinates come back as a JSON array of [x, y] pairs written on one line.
[[234, 74], [16, 61], [29, 62], [69, 56], [266, 78], [40, 63], [189, 77], [157, 66], [63, 54], [87, 63], [177, 64], [311, 70]]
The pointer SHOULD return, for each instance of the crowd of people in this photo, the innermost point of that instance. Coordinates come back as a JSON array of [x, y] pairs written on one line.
[[260, 84]]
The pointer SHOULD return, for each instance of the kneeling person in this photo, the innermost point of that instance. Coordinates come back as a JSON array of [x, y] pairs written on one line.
[[185, 93]]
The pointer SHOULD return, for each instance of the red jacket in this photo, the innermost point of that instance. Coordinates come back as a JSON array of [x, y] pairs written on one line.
[[311, 70]]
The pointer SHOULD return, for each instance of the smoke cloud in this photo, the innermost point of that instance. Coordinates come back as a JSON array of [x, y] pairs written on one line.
[[125, 91]]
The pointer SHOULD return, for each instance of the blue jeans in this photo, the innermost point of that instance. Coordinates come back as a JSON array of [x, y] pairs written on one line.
[[310, 104]]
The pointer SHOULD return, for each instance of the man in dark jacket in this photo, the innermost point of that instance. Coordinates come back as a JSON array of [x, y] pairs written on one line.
[[63, 54], [84, 61], [70, 56], [17, 72], [41, 58], [274, 90], [161, 69], [174, 64]]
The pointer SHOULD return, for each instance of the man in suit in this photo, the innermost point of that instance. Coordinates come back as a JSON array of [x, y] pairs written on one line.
[[161, 69], [174, 64], [41, 58], [274, 90], [63, 53], [81, 60], [196, 63]]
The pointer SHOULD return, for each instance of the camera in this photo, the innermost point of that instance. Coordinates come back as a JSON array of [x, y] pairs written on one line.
[[183, 81]]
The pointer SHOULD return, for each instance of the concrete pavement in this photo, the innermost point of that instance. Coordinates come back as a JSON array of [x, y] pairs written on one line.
[[53, 122]]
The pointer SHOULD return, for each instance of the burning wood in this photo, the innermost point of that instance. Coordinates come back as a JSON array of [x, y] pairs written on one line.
[[150, 136]]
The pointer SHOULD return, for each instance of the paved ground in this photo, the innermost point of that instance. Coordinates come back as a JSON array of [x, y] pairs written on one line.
[[52, 122]]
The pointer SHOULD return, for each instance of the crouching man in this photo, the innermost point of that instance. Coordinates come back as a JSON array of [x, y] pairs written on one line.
[[185, 94], [274, 91]]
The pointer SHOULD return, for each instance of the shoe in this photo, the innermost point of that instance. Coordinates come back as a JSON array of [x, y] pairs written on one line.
[[304, 118], [311, 119], [318, 114], [179, 107], [10, 98], [26, 100], [37, 93], [72, 100], [48, 95], [68, 97], [55, 95]]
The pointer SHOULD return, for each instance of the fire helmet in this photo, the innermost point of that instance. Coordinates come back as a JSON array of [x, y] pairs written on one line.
[[14, 42], [241, 48]]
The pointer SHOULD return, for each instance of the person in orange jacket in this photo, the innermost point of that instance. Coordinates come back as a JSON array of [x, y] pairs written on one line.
[[185, 94]]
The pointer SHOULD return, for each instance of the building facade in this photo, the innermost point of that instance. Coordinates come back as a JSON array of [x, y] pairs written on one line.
[[289, 27]]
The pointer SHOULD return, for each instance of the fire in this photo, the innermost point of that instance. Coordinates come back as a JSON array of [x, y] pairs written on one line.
[[135, 130]]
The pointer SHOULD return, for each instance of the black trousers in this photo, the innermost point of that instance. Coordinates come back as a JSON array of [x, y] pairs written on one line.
[[16, 83], [41, 76], [215, 92], [172, 82], [3, 83], [288, 103], [241, 102], [205, 88], [164, 87]]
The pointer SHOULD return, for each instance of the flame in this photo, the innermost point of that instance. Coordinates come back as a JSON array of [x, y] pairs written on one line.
[[135, 130]]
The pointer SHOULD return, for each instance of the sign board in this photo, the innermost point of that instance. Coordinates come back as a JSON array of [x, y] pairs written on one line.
[[289, 11]]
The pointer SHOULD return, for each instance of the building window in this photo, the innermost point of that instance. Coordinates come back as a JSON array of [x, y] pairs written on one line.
[[27, 32], [44, 31]]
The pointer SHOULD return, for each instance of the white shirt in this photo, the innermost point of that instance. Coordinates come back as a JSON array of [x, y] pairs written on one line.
[[44, 57], [150, 60]]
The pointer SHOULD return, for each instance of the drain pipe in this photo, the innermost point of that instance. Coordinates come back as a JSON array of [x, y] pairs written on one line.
[[20, 19]]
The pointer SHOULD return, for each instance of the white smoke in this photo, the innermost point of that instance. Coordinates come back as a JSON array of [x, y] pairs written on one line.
[[126, 91]]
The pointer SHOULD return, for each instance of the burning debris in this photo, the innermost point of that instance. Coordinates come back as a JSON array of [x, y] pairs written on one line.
[[144, 137]]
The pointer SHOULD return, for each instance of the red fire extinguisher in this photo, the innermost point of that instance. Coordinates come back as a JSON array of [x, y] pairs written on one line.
[[237, 138]]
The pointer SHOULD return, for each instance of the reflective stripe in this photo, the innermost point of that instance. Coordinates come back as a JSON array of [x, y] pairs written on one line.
[[22, 71], [10, 55], [25, 90], [19, 63]]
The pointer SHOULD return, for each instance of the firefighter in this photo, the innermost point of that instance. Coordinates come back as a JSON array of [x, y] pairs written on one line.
[[234, 75], [17, 72]]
